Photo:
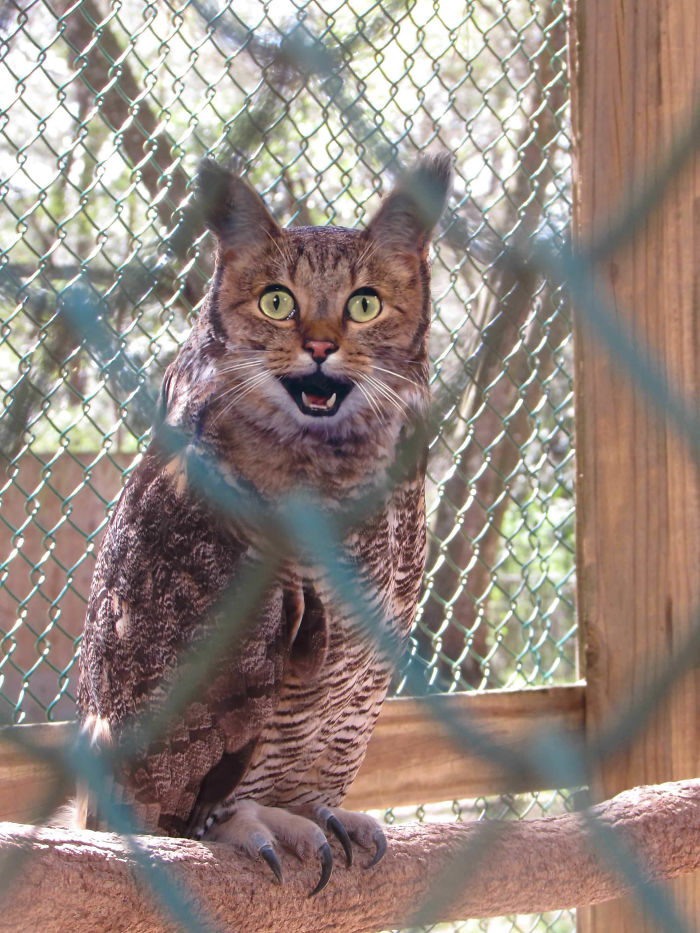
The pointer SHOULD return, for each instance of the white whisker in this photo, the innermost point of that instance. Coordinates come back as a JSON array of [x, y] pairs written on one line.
[[392, 372], [372, 388], [250, 361], [260, 350], [242, 384], [239, 391], [238, 385], [370, 400], [390, 401], [235, 367], [360, 381], [284, 253], [386, 390], [368, 252]]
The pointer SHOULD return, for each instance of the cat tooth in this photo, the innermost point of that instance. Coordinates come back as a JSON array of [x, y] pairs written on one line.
[[325, 406]]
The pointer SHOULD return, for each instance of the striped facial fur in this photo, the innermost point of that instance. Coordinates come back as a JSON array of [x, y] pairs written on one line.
[[317, 330]]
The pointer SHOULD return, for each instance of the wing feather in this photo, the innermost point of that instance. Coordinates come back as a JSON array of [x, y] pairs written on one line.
[[165, 580]]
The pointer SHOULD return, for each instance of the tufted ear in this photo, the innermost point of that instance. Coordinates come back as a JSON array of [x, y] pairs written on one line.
[[230, 207], [409, 213]]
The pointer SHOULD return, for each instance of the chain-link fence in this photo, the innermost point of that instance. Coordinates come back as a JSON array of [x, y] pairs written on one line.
[[112, 109], [108, 109]]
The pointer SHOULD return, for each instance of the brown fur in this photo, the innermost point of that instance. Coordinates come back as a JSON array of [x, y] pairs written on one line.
[[169, 554]]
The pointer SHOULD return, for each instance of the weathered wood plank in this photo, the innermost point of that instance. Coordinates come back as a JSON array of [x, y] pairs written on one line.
[[414, 758], [411, 758], [26, 779], [636, 83]]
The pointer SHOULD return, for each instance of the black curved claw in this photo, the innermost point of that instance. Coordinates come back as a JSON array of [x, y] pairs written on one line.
[[341, 833], [324, 853], [270, 856], [379, 840]]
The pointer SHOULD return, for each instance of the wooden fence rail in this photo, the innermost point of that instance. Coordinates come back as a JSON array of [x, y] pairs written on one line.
[[412, 758]]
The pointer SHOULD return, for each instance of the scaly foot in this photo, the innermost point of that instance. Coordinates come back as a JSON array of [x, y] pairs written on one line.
[[254, 829]]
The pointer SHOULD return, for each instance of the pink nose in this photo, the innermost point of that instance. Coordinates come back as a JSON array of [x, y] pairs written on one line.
[[320, 349]]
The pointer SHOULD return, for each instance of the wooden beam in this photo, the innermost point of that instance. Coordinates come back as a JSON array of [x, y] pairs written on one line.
[[635, 87], [414, 758], [411, 759], [28, 778]]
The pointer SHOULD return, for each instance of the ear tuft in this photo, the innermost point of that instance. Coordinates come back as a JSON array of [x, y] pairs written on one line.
[[212, 192], [410, 212], [230, 207]]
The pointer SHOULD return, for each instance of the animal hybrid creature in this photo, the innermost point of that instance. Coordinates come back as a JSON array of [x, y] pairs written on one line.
[[306, 370]]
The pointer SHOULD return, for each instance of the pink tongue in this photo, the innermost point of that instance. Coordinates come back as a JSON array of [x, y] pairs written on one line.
[[317, 399]]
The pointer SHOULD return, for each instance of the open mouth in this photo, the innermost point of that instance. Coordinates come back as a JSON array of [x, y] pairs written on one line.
[[316, 395]]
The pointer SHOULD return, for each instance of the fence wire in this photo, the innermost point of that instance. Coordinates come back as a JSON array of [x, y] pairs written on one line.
[[109, 108]]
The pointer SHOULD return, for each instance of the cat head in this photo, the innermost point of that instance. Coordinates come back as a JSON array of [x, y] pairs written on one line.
[[323, 329]]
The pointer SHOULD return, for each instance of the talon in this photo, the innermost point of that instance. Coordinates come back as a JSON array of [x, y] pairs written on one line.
[[340, 832], [326, 857], [270, 856], [379, 840]]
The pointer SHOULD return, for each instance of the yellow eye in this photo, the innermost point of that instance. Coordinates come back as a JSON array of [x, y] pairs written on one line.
[[364, 306], [276, 302]]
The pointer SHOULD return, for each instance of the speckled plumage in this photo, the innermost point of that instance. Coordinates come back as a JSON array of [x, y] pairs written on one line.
[[285, 717]]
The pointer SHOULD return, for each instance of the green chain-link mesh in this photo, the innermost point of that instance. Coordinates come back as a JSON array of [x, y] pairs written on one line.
[[107, 108]]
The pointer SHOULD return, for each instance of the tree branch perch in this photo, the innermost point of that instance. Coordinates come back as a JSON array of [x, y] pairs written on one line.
[[86, 881]]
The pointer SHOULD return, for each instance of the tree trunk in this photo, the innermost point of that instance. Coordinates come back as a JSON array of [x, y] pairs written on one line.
[[86, 881], [146, 145], [501, 426]]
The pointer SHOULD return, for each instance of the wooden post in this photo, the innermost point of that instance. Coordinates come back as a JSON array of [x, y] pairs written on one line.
[[636, 80]]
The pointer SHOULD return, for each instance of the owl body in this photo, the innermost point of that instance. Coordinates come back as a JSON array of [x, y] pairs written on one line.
[[314, 743], [305, 375]]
